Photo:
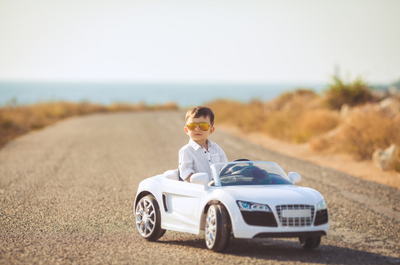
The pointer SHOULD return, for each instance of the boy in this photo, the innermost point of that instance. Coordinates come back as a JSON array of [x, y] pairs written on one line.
[[199, 153]]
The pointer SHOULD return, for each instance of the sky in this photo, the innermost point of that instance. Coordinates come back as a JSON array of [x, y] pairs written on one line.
[[218, 41]]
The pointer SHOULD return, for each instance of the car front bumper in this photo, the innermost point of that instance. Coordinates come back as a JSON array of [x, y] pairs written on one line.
[[272, 226], [248, 231]]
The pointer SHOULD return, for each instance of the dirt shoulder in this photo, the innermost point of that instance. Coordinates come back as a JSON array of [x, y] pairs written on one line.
[[366, 170]]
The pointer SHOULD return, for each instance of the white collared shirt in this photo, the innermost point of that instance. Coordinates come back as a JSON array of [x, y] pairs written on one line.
[[194, 158]]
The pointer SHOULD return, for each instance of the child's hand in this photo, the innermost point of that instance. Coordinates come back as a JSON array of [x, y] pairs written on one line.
[[188, 178]]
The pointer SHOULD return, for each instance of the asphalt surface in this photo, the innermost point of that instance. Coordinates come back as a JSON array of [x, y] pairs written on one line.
[[67, 191]]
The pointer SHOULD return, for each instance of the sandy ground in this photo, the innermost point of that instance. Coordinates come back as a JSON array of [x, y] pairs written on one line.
[[366, 170]]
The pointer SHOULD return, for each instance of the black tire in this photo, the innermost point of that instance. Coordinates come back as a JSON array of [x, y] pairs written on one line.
[[218, 228], [310, 242], [148, 218]]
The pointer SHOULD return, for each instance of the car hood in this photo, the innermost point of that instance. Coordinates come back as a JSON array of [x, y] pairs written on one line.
[[275, 194]]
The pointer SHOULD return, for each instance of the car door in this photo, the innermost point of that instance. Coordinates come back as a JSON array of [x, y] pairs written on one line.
[[181, 204]]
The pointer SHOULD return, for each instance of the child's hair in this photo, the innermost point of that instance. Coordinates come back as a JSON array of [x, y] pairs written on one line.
[[200, 111]]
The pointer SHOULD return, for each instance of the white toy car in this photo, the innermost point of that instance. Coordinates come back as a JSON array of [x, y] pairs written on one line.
[[248, 199]]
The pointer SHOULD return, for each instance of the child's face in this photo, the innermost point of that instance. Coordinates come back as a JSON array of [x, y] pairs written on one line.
[[198, 134]]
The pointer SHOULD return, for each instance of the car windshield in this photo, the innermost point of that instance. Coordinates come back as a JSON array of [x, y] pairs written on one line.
[[249, 173]]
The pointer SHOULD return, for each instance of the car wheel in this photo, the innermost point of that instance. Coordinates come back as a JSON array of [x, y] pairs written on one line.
[[217, 228], [310, 242], [148, 218]]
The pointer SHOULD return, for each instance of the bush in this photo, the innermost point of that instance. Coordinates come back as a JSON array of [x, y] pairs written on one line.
[[362, 135], [248, 117], [281, 125], [315, 122], [293, 116], [353, 94], [300, 99], [367, 132], [17, 120]]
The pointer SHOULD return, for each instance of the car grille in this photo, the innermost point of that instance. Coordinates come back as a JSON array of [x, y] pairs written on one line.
[[321, 217], [295, 221], [259, 218]]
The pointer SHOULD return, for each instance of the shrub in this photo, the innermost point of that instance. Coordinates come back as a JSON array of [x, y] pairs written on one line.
[[16, 120], [248, 117], [289, 100], [281, 124], [315, 122], [297, 116], [362, 134], [368, 131], [281, 118], [340, 93]]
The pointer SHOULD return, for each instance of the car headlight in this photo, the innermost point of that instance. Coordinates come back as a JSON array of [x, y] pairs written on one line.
[[321, 205], [254, 207]]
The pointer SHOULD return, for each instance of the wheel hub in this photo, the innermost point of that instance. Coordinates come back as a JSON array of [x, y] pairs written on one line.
[[210, 228], [145, 217]]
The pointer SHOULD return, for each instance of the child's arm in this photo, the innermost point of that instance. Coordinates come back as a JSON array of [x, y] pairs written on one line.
[[185, 165]]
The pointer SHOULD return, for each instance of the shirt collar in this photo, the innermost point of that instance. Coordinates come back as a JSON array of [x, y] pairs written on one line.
[[196, 146]]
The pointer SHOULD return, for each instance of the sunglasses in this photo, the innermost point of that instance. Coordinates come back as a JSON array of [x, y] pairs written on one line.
[[203, 126]]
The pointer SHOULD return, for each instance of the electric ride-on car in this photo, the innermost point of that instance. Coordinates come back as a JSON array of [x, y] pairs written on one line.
[[243, 199]]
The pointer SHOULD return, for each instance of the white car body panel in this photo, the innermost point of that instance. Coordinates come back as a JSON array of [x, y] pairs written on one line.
[[182, 201], [182, 208]]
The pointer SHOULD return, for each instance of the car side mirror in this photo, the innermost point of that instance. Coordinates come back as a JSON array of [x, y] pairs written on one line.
[[294, 177], [200, 178]]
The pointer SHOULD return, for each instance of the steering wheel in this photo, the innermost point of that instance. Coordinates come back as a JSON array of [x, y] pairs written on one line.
[[262, 177], [225, 169]]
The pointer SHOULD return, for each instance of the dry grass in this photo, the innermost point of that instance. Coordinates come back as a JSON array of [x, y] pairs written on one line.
[[304, 117], [18, 120], [315, 122], [248, 117], [361, 134], [294, 117]]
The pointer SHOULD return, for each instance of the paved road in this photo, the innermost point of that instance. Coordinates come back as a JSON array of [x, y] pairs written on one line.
[[66, 196]]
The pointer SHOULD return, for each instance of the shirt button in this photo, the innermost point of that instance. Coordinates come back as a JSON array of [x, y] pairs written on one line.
[[205, 152]]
